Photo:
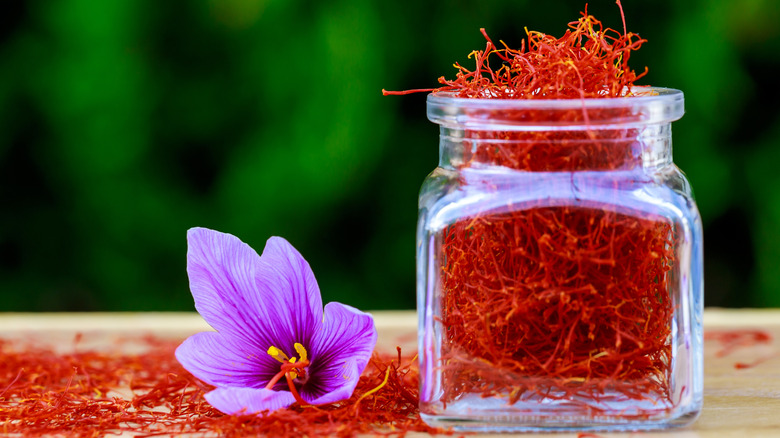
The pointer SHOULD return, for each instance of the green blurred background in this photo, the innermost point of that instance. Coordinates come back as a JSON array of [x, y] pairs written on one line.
[[125, 122]]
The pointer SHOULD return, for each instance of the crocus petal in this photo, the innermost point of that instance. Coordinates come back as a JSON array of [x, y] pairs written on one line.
[[346, 378], [268, 300], [223, 272], [289, 288], [226, 361], [340, 352], [234, 401]]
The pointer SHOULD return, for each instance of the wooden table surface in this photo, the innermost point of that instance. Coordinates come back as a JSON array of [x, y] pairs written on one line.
[[738, 401]]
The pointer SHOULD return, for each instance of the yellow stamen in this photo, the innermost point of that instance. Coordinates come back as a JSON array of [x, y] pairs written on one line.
[[301, 351], [277, 354]]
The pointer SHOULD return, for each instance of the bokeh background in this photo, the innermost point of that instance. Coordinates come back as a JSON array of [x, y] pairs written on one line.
[[125, 122]]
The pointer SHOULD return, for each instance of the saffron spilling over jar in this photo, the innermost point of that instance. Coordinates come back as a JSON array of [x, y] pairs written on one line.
[[559, 266]]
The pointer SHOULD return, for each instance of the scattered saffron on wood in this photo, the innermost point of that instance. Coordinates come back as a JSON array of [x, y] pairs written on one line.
[[85, 393], [732, 340]]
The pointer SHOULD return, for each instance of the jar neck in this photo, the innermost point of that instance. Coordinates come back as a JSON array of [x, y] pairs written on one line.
[[596, 148]]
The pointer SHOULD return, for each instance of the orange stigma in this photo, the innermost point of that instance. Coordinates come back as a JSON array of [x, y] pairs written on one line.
[[292, 368]]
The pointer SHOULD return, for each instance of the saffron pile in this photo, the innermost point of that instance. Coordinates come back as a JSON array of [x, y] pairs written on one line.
[[94, 393], [587, 61], [565, 300]]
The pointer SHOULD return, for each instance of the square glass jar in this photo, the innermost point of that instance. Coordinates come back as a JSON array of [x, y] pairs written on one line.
[[559, 267]]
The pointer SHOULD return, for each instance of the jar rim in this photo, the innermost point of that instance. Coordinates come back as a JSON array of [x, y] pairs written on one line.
[[647, 105]]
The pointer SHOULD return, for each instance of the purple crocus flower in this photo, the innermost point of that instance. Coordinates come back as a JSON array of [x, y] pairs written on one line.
[[273, 343]]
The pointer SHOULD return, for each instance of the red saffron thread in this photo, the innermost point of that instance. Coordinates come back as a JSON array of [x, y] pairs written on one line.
[[85, 394], [587, 61]]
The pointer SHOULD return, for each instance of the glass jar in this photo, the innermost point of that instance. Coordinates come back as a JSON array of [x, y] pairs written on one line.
[[559, 267]]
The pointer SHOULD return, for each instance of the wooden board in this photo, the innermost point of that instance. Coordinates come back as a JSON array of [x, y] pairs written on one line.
[[738, 402]]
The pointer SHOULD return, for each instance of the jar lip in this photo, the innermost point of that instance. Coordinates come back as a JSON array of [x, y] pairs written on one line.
[[646, 105]]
